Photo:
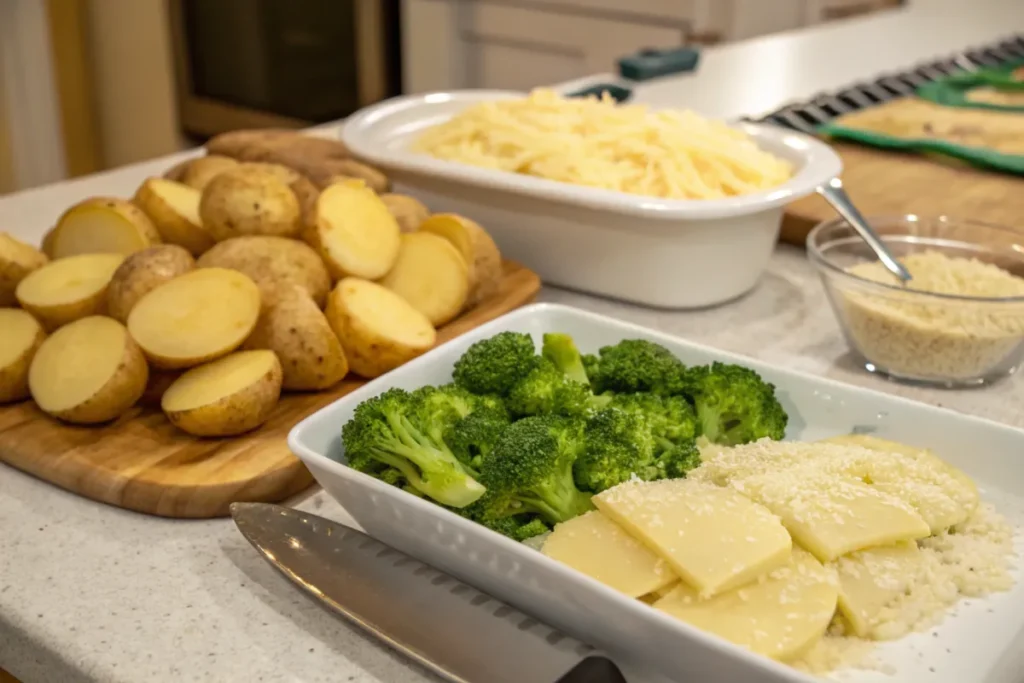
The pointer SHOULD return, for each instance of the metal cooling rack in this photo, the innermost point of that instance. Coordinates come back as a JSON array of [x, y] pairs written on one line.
[[807, 116]]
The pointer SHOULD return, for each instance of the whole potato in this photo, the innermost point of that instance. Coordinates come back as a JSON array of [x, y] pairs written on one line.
[[305, 191], [273, 263], [142, 272], [297, 331], [249, 200], [408, 211], [199, 172]]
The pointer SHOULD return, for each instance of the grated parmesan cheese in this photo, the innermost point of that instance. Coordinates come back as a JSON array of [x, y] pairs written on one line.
[[914, 337], [598, 143]]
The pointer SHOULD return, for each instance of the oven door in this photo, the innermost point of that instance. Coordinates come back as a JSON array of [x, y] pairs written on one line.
[[272, 64]]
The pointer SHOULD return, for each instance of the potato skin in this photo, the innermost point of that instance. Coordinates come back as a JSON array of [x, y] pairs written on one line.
[[199, 172], [142, 272], [408, 211], [14, 377], [249, 201], [369, 354], [120, 393], [297, 331], [273, 263], [238, 413], [17, 260], [305, 191]]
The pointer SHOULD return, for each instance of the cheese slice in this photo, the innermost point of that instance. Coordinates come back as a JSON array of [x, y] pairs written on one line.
[[831, 515], [714, 538], [870, 580], [942, 494], [780, 616], [601, 549]]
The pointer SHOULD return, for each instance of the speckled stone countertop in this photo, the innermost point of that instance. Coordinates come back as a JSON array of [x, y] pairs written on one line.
[[93, 593]]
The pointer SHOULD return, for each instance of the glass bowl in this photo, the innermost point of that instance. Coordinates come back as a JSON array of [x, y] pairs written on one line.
[[915, 336]]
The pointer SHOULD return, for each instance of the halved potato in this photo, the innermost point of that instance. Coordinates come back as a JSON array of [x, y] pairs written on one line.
[[199, 172], [274, 264], [353, 231], [195, 318], [298, 332], [431, 275], [88, 371], [17, 260], [229, 396], [65, 290], [102, 225], [378, 329], [249, 200], [20, 337], [174, 209], [408, 211], [143, 272], [477, 248]]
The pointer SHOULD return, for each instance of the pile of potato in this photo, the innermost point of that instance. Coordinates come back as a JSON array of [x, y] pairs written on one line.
[[277, 263]]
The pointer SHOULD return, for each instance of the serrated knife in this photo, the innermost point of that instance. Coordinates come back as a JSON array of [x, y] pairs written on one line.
[[447, 626]]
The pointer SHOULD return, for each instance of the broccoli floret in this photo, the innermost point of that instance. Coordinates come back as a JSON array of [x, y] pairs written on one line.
[[639, 435], [619, 446], [636, 365], [734, 405], [496, 364], [545, 390], [529, 473], [390, 432], [517, 528], [561, 350], [475, 435]]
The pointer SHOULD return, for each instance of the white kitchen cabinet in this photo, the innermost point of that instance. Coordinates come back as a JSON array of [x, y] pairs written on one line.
[[521, 44]]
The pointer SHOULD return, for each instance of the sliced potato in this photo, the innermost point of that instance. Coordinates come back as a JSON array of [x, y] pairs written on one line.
[[143, 272], [65, 290], [195, 318], [353, 231], [199, 172], [20, 339], [17, 260], [229, 396], [408, 211], [378, 329], [274, 264], [102, 225], [174, 210], [297, 331], [248, 200], [88, 371], [431, 275], [477, 248]]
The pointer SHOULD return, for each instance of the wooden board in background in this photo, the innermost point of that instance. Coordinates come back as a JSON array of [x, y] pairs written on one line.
[[140, 462], [888, 183]]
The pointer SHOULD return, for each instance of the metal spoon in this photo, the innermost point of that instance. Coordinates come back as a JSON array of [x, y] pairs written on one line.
[[835, 195]]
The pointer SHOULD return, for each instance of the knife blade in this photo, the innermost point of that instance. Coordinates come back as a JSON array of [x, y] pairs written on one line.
[[447, 626]]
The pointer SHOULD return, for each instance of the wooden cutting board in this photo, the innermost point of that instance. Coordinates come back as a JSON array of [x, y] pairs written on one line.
[[887, 183], [140, 462]]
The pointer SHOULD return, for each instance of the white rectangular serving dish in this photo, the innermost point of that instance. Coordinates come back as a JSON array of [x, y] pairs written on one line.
[[981, 644], [658, 252]]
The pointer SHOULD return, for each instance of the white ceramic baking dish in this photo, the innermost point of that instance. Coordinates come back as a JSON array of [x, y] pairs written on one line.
[[981, 644], [666, 253]]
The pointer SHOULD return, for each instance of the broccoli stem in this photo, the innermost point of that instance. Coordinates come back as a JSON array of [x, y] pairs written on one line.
[[561, 350]]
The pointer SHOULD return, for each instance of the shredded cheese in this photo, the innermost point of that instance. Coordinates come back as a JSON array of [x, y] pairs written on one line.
[[598, 143], [906, 334]]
